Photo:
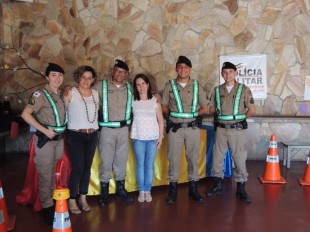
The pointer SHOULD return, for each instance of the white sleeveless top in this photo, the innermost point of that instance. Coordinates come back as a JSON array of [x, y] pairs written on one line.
[[77, 111], [145, 125]]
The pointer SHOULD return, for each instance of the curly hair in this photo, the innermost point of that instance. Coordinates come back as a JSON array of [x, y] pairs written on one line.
[[77, 74], [135, 90]]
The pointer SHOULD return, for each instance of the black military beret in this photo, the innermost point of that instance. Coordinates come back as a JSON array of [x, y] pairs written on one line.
[[184, 60], [53, 68], [228, 65], [121, 64]]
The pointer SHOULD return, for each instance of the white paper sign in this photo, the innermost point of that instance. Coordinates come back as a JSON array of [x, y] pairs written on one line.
[[307, 88], [251, 72]]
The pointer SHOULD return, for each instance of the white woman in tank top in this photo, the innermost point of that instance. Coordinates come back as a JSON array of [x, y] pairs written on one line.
[[146, 133], [82, 104]]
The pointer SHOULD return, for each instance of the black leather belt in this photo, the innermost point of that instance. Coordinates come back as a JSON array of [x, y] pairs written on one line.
[[230, 126], [86, 131], [187, 124], [192, 124]]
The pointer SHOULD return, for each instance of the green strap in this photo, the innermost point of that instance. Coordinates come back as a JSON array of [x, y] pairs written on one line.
[[105, 109], [58, 128], [181, 113], [235, 115]]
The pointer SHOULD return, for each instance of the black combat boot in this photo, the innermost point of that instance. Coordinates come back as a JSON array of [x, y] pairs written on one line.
[[193, 192], [48, 215], [172, 195], [217, 188], [104, 196], [121, 192], [241, 193]]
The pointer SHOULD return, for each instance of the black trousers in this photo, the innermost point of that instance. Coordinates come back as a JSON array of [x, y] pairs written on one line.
[[81, 148]]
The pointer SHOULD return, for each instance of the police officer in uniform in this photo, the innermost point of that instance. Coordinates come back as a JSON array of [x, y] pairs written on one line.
[[116, 98], [232, 103], [184, 100], [46, 113]]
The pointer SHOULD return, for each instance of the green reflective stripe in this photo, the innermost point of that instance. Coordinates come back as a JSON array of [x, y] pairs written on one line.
[[181, 113], [58, 128], [231, 117], [235, 115], [195, 96], [176, 96], [114, 124], [184, 115], [237, 99], [105, 109], [218, 100], [128, 104]]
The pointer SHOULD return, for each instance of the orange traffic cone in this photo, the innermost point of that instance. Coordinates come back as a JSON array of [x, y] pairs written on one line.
[[2, 223], [9, 220], [272, 168], [62, 221], [306, 179]]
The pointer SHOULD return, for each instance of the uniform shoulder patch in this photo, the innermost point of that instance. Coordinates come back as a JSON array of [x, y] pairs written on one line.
[[252, 100], [36, 94]]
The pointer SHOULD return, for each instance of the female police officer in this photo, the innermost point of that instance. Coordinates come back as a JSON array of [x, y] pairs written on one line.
[[46, 113]]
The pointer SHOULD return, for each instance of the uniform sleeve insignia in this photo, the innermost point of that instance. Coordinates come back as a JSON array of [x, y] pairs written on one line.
[[31, 101], [252, 100], [36, 94]]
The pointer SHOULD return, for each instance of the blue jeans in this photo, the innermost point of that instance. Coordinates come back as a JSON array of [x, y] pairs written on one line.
[[145, 152]]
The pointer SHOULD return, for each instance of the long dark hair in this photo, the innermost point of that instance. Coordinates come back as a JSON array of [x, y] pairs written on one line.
[[135, 90]]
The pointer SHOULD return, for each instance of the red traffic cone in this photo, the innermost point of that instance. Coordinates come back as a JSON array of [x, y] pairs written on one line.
[[272, 169], [306, 179], [62, 221], [2, 223], [9, 220]]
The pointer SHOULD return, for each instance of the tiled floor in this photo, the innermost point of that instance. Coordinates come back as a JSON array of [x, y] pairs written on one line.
[[274, 208]]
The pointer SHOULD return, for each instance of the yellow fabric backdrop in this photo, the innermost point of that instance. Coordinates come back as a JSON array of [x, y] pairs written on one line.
[[160, 169]]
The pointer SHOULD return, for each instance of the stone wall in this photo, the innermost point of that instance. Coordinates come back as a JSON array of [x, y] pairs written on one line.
[[151, 34]]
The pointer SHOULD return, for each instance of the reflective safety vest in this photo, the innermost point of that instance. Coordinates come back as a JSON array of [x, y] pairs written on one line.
[[181, 113], [235, 114], [105, 108], [58, 128]]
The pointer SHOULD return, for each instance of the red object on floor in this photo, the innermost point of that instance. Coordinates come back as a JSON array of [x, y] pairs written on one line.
[[2, 224], [9, 220], [306, 179], [272, 173], [29, 194], [14, 130], [62, 221]]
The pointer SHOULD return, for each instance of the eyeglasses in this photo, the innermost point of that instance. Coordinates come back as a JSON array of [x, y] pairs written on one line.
[[120, 71]]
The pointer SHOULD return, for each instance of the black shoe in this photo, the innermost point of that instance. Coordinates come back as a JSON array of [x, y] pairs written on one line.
[[121, 192], [193, 192], [104, 195], [241, 193], [217, 188], [172, 195], [48, 215]]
